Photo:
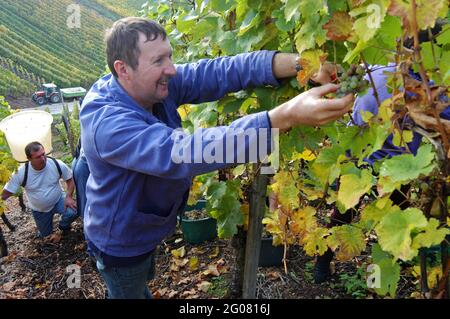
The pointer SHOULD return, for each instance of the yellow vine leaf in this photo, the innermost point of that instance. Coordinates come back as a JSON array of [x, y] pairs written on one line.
[[5, 174], [272, 223], [303, 221], [432, 274], [286, 190], [310, 62], [183, 111], [312, 193], [195, 193], [306, 155], [315, 242], [245, 208], [351, 189], [400, 138], [347, 241]]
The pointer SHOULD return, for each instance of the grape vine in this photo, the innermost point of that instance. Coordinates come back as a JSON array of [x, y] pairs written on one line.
[[326, 167]]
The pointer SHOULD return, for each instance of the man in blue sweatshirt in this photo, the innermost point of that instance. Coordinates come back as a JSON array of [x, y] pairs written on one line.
[[128, 122]]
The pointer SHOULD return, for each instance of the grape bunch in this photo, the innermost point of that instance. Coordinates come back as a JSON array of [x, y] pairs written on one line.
[[352, 81]]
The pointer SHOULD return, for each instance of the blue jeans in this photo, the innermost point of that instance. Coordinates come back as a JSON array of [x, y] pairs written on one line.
[[81, 173], [128, 282], [44, 221]]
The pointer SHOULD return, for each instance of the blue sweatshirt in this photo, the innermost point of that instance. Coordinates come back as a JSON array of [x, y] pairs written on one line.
[[135, 189]]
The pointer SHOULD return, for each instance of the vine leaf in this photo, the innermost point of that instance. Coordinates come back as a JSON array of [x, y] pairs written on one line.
[[351, 188], [306, 155], [427, 12], [310, 62], [430, 235], [315, 242], [273, 226], [347, 241], [400, 138], [228, 216], [303, 221], [370, 16], [406, 167], [433, 273], [389, 271], [375, 212], [223, 204], [395, 230], [286, 190], [339, 27], [291, 8]]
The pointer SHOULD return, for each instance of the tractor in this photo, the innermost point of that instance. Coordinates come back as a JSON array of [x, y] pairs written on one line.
[[49, 93]]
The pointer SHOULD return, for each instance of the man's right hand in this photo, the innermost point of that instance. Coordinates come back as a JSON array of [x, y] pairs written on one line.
[[310, 108]]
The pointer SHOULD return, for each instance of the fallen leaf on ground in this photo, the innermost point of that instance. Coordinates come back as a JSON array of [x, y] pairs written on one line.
[[174, 267], [215, 253], [193, 263], [204, 286], [181, 262], [172, 294], [198, 251], [179, 253], [162, 291], [184, 281], [190, 293], [212, 270], [8, 286], [273, 275]]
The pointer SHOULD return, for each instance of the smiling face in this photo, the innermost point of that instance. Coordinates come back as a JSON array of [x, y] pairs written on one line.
[[148, 83]]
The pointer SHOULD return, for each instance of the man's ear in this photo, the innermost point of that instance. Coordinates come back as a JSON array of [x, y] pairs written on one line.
[[121, 70]]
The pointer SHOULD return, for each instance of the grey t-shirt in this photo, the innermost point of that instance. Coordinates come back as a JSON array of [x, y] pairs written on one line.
[[42, 189]]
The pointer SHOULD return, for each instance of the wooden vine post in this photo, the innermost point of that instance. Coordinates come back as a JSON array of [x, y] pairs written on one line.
[[253, 244]]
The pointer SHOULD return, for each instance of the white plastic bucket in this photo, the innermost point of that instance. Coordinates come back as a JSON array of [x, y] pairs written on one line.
[[25, 127]]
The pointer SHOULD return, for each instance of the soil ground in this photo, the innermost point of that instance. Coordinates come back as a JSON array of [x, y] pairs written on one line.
[[42, 268]]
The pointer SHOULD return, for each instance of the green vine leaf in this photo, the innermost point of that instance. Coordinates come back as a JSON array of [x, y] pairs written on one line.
[[389, 272], [395, 232], [430, 235], [404, 168]]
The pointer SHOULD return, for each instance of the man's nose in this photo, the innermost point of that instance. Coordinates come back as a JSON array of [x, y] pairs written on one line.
[[170, 70]]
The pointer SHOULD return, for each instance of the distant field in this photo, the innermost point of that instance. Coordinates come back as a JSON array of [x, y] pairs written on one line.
[[37, 45]]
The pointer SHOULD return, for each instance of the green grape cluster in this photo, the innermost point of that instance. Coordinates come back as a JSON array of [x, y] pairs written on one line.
[[352, 81]]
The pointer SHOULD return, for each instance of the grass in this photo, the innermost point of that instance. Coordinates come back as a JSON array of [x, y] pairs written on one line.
[[219, 287], [354, 284]]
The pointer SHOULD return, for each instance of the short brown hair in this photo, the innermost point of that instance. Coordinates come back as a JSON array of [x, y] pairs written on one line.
[[123, 38], [32, 147]]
